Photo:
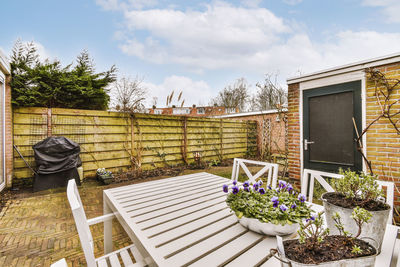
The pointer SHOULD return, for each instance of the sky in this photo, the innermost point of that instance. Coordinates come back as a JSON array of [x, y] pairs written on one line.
[[199, 47]]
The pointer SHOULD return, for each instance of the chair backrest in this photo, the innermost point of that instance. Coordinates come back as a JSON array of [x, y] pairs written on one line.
[[271, 168], [389, 196], [307, 182], [309, 176], [81, 222]]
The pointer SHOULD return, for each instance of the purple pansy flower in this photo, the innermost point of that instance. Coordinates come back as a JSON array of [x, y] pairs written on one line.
[[260, 182], [293, 206], [269, 187], [283, 207], [312, 218], [235, 190], [282, 184], [302, 198], [246, 184], [255, 186], [247, 189], [289, 187], [234, 182], [261, 191], [275, 200], [225, 188]]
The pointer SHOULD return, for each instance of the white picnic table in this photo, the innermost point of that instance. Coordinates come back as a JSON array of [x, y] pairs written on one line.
[[184, 221]]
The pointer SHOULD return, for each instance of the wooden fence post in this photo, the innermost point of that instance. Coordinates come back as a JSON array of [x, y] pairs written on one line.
[[132, 140], [221, 132], [184, 145], [49, 126]]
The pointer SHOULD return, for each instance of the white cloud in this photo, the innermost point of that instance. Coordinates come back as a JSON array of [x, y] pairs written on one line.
[[194, 92], [390, 8], [292, 2], [215, 38], [250, 3]]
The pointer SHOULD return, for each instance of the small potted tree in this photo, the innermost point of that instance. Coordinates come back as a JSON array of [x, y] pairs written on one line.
[[316, 247], [357, 190], [266, 210]]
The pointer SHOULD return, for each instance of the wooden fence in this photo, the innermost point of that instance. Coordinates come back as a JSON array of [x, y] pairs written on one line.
[[118, 141]]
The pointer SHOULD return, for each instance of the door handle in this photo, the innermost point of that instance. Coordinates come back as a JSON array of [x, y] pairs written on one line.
[[306, 143]]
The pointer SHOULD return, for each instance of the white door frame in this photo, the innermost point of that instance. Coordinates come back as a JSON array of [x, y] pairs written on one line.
[[3, 139], [331, 80]]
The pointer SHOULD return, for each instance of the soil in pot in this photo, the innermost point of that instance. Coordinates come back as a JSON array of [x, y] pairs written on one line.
[[333, 248], [339, 199]]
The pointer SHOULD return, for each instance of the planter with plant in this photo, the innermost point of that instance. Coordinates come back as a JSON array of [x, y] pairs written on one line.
[[104, 176], [357, 190], [266, 210], [316, 247]]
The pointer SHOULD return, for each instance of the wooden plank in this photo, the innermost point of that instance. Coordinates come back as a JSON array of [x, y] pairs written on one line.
[[210, 194], [230, 251], [184, 219], [199, 250], [102, 263], [114, 261], [175, 233], [254, 255], [171, 248], [126, 259], [389, 240]]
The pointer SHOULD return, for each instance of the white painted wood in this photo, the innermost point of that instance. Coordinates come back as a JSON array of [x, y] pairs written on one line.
[[114, 261], [254, 255], [270, 168], [126, 259], [82, 225], [196, 229], [100, 219], [60, 263], [389, 196], [208, 245], [231, 250], [107, 226], [308, 179], [389, 240], [102, 263]]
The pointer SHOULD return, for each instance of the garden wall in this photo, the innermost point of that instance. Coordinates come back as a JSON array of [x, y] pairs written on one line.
[[118, 141]]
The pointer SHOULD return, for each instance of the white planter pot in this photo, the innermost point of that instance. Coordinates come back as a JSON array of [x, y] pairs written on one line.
[[374, 229], [268, 228]]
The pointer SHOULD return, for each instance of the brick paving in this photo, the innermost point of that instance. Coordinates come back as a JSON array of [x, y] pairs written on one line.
[[37, 229]]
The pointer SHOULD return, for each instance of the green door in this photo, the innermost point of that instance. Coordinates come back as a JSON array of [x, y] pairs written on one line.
[[328, 130]]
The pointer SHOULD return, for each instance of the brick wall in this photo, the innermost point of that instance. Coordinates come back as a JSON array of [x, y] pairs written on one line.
[[383, 142], [293, 117], [9, 134]]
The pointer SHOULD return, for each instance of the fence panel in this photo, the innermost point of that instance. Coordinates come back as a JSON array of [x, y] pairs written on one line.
[[118, 141]]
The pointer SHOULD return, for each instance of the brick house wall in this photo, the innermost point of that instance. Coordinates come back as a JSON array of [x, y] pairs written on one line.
[[293, 117], [275, 136], [381, 141]]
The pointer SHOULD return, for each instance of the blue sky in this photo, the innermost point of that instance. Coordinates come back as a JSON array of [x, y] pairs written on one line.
[[201, 46]]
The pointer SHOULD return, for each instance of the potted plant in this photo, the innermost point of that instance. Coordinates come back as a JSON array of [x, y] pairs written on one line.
[[357, 190], [316, 247], [266, 210], [105, 176]]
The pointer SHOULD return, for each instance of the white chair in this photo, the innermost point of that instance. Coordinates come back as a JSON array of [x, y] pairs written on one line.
[[82, 225], [309, 176], [271, 168], [60, 263]]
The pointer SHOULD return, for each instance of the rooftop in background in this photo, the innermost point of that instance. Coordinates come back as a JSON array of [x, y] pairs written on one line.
[[369, 63], [193, 111], [252, 113]]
